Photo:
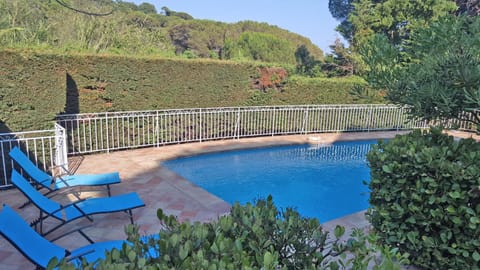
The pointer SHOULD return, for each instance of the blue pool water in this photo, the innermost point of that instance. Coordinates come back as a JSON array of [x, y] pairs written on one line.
[[319, 181]]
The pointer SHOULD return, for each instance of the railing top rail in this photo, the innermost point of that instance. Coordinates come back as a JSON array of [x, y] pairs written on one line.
[[26, 135], [26, 132], [240, 108]]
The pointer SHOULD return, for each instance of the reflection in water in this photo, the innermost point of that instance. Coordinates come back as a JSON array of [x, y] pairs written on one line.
[[333, 152]]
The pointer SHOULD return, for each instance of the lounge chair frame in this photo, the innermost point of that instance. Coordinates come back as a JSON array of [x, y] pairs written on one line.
[[44, 249], [52, 183], [83, 208]]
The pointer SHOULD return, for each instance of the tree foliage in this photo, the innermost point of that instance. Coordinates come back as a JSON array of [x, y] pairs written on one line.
[[203, 38], [395, 19], [306, 63], [130, 29], [437, 74], [259, 46], [340, 10], [182, 15], [340, 62], [147, 8]]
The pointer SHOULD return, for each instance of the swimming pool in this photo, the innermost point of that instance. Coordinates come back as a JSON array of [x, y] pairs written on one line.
[[324, 181]]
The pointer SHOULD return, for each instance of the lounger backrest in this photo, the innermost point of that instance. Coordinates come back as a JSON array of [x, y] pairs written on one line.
[[42, 202], [29, 167], [26, 240]]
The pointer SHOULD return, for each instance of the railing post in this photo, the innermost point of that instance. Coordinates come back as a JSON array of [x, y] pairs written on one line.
[[4, 163], [369, 119], [305, 121], [200, 129], [237, 125], [107, 134], [274, 116], [157, 129], [61, 157]]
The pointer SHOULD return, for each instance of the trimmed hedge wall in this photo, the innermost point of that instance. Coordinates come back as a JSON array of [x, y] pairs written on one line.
[[34, 87]]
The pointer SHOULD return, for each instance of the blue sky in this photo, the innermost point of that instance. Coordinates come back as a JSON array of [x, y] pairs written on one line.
[[309, 18]]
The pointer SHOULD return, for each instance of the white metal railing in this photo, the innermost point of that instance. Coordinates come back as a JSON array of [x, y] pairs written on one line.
[[94, 132], [45, 148], [87, 133]]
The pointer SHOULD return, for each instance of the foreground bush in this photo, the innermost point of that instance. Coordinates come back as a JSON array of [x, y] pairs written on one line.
[[251, 237], [425, 198]]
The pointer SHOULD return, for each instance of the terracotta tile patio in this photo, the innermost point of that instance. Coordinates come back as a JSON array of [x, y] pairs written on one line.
[[141, 171]]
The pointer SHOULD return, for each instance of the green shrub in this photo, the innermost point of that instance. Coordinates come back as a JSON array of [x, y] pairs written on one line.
[[251, 237], [425, 198]]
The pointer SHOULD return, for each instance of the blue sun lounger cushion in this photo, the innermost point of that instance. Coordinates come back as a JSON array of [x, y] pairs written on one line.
[[78, 209], [39, 250], [55, 183]]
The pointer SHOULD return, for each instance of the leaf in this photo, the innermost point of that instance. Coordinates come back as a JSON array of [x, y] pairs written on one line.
[[454, 194], [183, 253], [141, 263], [132, 255], [174, 239], [214, 248], [52, 263], [115, 254], [339, 231], [387, 169], [457, 220], [267, 260], [450, 209], [160, 214], [452, 250], [428, 241], [411, 236], [476, 256]]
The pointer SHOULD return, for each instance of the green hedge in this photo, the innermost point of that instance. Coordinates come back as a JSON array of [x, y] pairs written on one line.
[[425, 198], [35, 86], [252, 236]]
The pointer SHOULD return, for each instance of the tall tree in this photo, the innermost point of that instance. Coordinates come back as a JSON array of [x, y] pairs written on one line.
[[437, 74], [306, 63], [396, 19], [340, 10], [261, 47], [342, 61], [147, 8]]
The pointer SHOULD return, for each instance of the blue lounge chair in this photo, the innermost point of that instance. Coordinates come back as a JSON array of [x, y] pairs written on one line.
[[75, 210], [39, 250], [44, 180]]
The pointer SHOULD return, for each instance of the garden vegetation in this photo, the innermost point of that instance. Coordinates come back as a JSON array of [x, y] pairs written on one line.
[[425, 198], [252, 236], [35, 87], [425, 189]]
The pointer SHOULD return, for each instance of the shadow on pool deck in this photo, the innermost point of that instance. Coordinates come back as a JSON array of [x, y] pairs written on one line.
[[141, 171]]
